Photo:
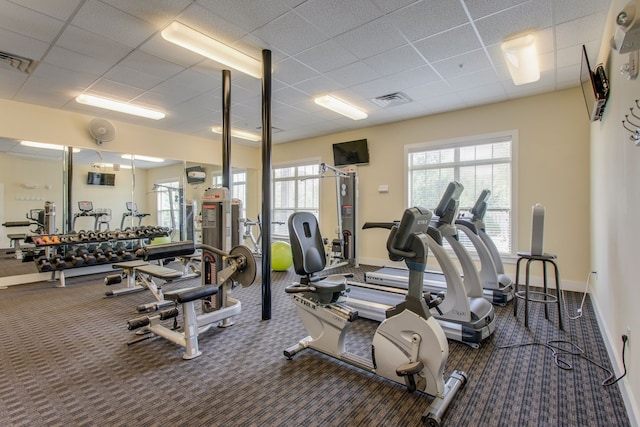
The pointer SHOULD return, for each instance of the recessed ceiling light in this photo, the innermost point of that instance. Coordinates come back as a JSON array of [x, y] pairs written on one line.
[[121, 107], [238, 133], [522, 59], [199, 43], [339, 106]]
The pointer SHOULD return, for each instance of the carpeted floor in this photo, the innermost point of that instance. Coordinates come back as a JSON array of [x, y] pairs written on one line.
[[64, 361]]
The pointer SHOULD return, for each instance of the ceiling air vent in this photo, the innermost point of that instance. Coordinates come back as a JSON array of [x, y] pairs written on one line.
[[15, 62], [391, 100]]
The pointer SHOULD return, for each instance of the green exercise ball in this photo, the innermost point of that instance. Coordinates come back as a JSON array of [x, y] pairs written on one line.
[[281, 256]]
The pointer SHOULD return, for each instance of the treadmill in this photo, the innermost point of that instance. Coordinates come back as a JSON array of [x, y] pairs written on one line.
[[464, 314], [497, 287]]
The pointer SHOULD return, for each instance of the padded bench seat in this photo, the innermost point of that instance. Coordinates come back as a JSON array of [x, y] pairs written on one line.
[[130, 264], [163, 273], [182, 296]]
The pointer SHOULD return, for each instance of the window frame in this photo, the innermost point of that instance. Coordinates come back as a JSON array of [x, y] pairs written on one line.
[[469, 141], [294, 164]]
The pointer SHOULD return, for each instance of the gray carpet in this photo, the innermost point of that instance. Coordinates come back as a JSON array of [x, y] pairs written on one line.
[[64, 362]]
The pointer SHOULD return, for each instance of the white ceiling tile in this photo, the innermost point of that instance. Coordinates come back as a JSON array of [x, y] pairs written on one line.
[[395, 61], [112, 89], [371, 38], [463, 64], [113, 24], [428, 17], [65, 58], [326, 56], [28, 22], [318, 85], [150, 64], [90, 44], [291, 72], [157, 12], [475, 79], [481, 8], [567, 75], [567, 10], [20, 45], [10, 82], [335, 17], [353, 74], [64, 76], [527, 17], [132, 77], [246, 14], [60, 9], [448, 43], [388, 6], [278, 33], [570, 56], [578, 31], [39, 89]]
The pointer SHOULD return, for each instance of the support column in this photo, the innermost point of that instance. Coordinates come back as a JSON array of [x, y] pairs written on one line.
[[266, 184]]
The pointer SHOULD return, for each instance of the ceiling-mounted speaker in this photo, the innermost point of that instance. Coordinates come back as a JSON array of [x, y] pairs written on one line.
[[102, 130]]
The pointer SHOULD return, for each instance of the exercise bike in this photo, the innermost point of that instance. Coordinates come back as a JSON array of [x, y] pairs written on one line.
[[409, 346]]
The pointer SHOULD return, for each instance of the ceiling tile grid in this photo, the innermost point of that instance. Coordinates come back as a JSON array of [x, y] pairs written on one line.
[[443, 55]]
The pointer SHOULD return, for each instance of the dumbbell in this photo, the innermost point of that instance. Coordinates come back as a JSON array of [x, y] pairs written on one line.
[[86, 256], [39, 241], [55, 240], [111, 255], [57, 262], [72, 260], [99, 255], [46, 239], [44, 264]]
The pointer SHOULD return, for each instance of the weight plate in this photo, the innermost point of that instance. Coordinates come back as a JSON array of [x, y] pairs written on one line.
[[247, 276]]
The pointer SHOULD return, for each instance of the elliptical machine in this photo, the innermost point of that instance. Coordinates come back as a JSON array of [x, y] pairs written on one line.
[[409, 346]]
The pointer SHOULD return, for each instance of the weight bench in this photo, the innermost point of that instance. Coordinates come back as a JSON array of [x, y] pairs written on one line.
[[140, 273], [219, 311]]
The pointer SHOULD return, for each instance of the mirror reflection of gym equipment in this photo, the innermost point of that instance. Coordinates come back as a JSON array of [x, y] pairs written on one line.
[[132, 211], [101, 216]]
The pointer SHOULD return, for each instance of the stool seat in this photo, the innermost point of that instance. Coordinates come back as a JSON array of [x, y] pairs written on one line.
[[545, 296]]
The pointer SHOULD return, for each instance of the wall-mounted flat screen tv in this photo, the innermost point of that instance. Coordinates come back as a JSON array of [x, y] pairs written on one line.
[[595, 87], [95, 178], [351, 153]]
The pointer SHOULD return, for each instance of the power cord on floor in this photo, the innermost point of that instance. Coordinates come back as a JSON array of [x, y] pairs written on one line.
[[557, 350], [584, 296]]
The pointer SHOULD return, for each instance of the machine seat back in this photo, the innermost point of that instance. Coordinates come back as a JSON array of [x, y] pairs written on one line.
[[309, 258], [307, 246]]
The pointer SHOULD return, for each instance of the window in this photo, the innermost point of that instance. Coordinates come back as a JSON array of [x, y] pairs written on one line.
[[295, 188], [479, 163], [168, 202], [238, 188]]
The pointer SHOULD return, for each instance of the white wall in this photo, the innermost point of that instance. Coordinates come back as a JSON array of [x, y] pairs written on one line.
[[552, 169], [615, 231]]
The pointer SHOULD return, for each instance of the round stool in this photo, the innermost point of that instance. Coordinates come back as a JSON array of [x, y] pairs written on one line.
[[534, 296]]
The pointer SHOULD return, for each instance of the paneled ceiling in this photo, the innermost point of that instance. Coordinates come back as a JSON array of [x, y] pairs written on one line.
[[443, 55]]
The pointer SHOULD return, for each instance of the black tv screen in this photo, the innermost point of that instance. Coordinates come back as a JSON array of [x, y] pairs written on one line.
[[351, 153], [593, 88], [95, 178]]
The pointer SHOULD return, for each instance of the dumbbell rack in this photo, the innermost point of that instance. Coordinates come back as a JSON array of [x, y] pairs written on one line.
[[79, 243]]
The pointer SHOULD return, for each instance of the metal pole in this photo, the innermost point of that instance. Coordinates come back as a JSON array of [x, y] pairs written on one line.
[[226, 129], [68, 211], [266, 184]]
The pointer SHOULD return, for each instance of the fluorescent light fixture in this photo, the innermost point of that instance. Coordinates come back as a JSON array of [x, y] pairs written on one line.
[[142, 158], [340, 107], [522, 59], [35, 144], [199, 43], [121, 107], [238, 133]]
